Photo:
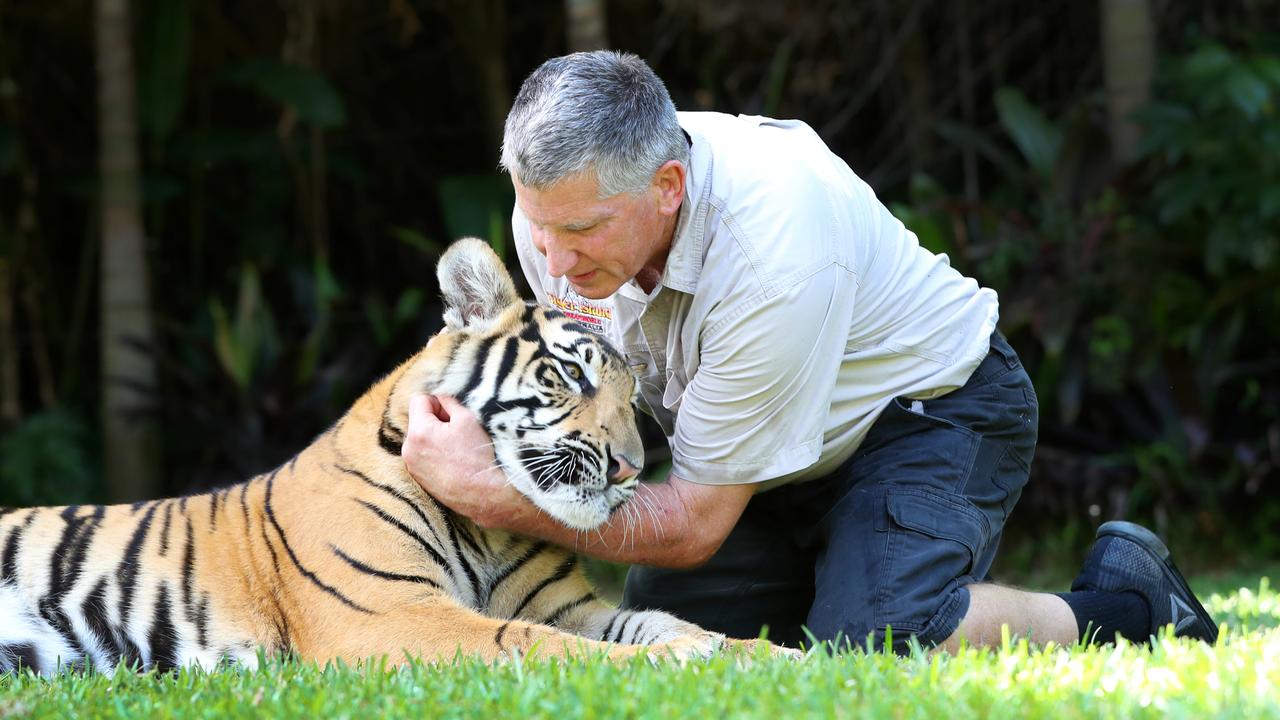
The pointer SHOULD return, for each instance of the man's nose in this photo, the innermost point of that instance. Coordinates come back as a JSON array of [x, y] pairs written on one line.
[[560, 260]]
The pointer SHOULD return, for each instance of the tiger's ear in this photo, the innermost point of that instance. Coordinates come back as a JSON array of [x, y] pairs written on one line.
[[475, 284]]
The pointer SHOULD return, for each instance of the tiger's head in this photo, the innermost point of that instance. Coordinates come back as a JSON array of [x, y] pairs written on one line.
[[554, 396]]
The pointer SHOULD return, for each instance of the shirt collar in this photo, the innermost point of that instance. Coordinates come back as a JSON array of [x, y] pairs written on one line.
[[684, 261]]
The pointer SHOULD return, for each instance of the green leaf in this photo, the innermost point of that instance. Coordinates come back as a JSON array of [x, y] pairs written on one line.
[[310, 95], [376, 318], [409, 305], [965, 136], [239, 342], [926, 229], [1248, 92], [1268, 68], [1269, 202], [1036, 138], [163, 57], [225, 345], [417, 241], [1208, 63], [470, 202]]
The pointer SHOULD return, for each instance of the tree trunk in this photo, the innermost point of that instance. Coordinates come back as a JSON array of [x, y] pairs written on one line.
[[585, 25], [130, 444], [1128, 53]]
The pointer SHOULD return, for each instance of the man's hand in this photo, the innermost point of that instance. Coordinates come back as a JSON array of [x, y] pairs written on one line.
[[451, 457]]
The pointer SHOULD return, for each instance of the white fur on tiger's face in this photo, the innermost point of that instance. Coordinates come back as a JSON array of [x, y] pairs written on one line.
[[339, 553]]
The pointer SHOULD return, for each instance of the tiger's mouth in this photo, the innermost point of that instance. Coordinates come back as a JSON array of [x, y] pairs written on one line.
[[568, 482]]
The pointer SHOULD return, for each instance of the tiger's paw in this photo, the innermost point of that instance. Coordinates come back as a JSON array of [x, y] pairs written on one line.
[[698, 646], [764, 648]]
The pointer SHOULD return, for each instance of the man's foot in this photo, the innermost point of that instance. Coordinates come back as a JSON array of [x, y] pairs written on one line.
[[1129, 557]]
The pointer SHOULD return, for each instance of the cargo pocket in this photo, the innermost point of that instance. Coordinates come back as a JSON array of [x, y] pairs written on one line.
[[933, 541]]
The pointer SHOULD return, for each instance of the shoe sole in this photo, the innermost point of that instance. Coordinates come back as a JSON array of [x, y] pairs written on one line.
[[1148, 541]]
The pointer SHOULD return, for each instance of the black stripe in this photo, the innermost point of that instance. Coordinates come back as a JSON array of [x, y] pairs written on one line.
[[393, 493], [556, 421], [389, 442], [462, 559], [440, 510], [202, 621], [191, 608], [502, 630], [391, 520], [530, 552], [214, 498], [464, 534], [573, 326], [479, 360], [607, 635], [127, 571], [162, 637], [6, 510], [390, 437], [402, 497], [64, 570], [563, 610], [12, 544], [284, 540], [622, 631], [244, 504], [94, 611], [509, 352], [533, 334], [561, 573], [275, 559], [17, 656], [164, 528], [366, 569]]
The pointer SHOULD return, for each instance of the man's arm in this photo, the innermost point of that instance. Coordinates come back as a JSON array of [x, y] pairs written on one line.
[[675, 523]]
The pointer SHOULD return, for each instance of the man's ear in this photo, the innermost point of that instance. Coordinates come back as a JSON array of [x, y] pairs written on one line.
[[668, 183], [476, 286]]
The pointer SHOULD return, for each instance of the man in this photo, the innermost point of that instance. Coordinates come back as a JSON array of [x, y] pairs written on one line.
[[848, 430]]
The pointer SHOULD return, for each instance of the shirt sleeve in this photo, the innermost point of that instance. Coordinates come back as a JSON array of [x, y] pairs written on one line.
[[756, 409]]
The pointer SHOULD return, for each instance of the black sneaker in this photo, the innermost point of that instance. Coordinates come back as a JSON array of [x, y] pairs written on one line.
[[1130, 557]]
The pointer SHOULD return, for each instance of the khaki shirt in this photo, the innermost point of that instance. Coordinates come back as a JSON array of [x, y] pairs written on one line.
[[792, 309]]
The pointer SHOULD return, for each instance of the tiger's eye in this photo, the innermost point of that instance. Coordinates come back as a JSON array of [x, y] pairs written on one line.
[[574, 371]]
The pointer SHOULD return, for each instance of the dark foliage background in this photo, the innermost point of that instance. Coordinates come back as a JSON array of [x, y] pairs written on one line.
[[303, 163]]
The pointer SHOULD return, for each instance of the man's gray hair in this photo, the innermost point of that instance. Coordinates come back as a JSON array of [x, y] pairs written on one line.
[[602, 111]]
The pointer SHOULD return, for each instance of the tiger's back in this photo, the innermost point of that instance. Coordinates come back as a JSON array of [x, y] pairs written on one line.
[[339, 553]]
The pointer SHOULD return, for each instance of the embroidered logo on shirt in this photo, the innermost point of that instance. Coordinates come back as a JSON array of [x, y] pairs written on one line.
[[584, 311]]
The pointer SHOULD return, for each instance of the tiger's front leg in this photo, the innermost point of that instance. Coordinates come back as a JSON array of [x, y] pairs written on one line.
[[551, 589], [577, 610]]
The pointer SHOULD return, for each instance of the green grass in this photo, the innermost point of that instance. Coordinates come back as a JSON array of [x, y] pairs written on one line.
[[1239, 677]]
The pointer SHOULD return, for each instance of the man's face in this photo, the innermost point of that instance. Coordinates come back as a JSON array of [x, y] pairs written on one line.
[[599, 244]]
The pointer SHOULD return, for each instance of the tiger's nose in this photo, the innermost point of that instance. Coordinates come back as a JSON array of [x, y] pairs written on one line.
[[621, 469]]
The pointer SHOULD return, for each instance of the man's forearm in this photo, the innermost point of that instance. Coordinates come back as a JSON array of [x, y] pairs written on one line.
[[653, 528]]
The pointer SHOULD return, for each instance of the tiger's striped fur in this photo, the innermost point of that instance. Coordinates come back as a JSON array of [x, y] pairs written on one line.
[[339, 553]]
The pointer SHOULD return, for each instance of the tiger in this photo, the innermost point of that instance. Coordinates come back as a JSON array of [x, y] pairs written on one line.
[[339, 554]]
